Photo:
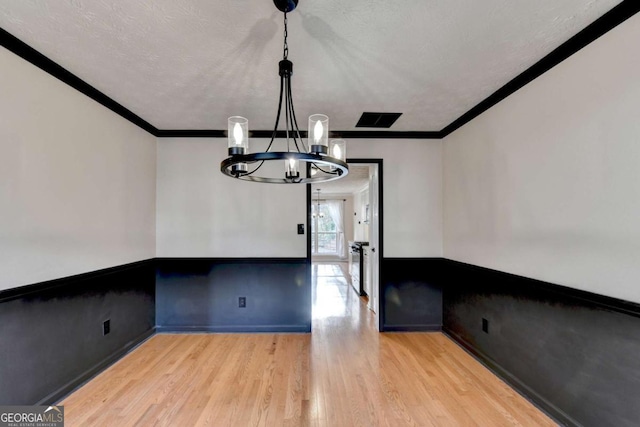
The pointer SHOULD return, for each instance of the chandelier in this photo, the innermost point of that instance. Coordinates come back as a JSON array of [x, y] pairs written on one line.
[[326, 160], [318, 213]]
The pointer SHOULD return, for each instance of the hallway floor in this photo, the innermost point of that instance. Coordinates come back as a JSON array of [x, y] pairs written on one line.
[[334, 299], [343, 374]]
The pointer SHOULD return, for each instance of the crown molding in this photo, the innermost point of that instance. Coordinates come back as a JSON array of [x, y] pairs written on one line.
[[592, 32], [620, 13], [31, 55]]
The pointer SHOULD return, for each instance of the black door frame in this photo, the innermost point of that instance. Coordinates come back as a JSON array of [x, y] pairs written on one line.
[[380, 248]]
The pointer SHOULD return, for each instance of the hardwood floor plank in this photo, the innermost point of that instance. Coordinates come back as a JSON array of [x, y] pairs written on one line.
[[343, 374]]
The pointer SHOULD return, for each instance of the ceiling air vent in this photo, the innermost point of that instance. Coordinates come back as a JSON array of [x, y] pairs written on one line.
[[377, 120]]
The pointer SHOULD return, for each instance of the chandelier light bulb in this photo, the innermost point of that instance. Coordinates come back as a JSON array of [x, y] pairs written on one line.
[[237, 134], [337, 152], [318, 130]]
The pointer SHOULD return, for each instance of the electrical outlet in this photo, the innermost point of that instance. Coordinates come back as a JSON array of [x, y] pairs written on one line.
[[485, 325], [106, 327], [242, 302], [300, 228]]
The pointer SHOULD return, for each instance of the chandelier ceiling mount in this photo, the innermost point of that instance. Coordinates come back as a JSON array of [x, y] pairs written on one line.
[[285, 5]]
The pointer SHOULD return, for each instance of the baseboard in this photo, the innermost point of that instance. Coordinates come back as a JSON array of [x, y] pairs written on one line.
[[411, 328], [536, 399], [94, 371], [235, 329]]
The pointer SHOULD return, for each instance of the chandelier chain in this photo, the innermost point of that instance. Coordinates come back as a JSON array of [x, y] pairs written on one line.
[[285, 54]]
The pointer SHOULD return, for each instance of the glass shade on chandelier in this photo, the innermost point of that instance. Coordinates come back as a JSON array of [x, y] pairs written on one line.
[[238, 131], [318, 133], [292, 169], [338, 149], [311, 161]]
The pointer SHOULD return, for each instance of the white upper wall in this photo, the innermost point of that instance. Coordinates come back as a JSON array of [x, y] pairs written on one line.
[[412, 193], [546, 184], [202, 213], [77, 182]]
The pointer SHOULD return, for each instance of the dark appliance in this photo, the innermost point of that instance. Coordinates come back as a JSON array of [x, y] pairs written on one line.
[[356, 266]]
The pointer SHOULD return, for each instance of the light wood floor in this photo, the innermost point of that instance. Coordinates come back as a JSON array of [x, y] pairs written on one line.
[[343, 374]]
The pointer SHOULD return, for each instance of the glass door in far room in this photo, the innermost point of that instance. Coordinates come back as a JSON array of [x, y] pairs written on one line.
[[324, 231]]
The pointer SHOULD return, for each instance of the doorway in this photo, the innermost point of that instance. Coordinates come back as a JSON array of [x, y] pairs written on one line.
[[346, 227]]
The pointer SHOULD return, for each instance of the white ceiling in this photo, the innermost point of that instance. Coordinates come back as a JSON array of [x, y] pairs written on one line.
[[355, 180], [189, 64]]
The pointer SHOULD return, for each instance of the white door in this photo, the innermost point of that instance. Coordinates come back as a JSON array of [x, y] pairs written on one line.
[[374, 253]]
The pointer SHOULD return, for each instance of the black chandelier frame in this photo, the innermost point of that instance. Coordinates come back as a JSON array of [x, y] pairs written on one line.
[[316, 156]]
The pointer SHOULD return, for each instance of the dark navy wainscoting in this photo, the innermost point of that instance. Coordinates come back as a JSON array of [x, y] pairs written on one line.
[[411, 294], [51, 337], [574, 353], [201, 295]]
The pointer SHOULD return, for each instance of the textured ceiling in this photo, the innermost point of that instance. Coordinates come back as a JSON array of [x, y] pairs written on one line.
[[355, 180], [189, 64]]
